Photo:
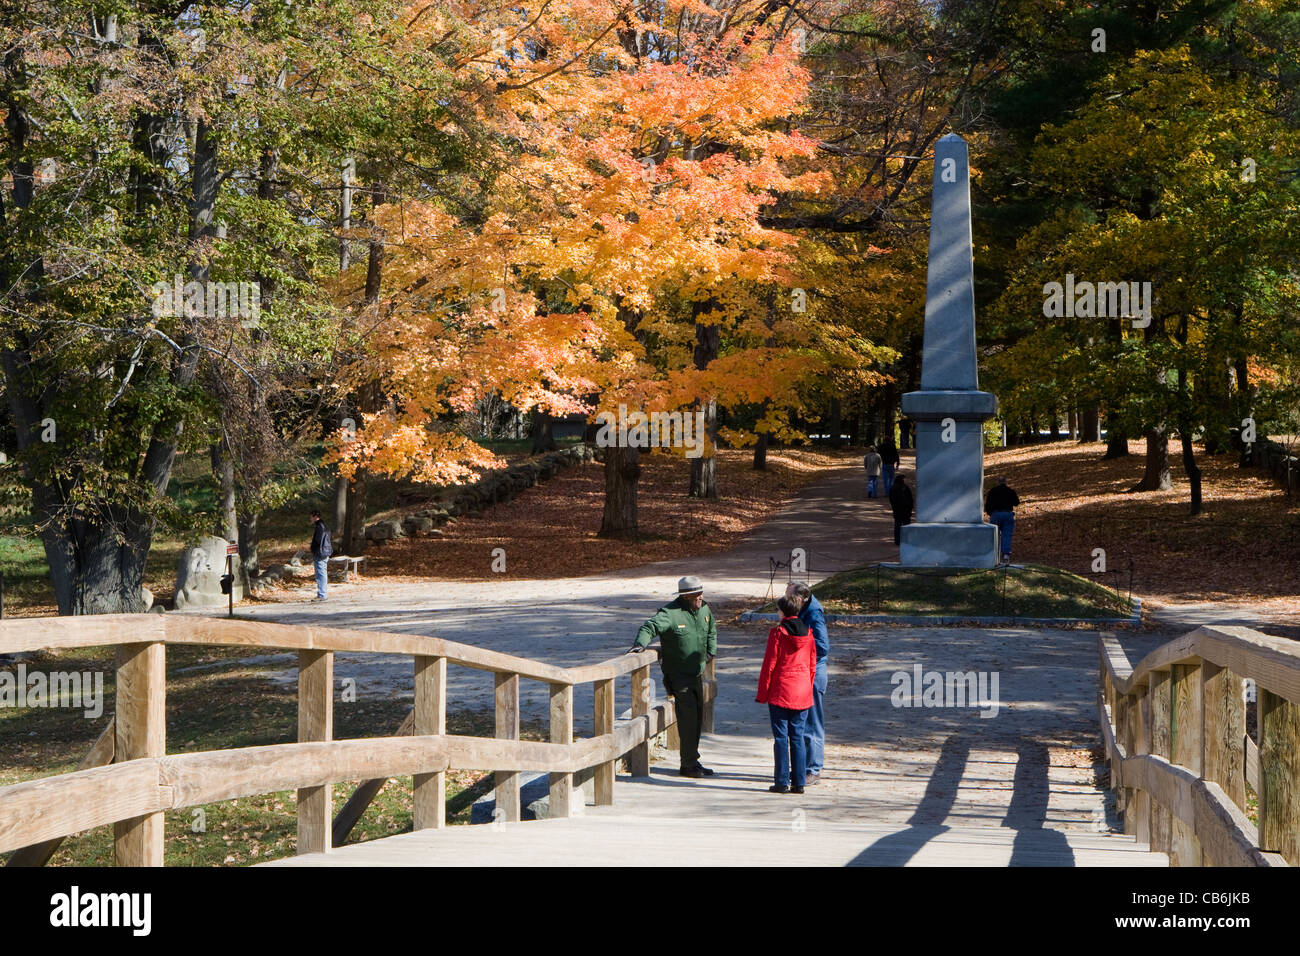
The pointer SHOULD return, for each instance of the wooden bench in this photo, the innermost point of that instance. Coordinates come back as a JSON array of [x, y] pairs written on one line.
[[351, 565]]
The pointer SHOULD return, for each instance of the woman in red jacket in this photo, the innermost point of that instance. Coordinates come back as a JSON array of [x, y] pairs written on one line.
[[786, 685]]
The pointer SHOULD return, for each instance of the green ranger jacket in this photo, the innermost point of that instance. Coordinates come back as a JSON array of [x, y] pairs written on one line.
[[685, 637]]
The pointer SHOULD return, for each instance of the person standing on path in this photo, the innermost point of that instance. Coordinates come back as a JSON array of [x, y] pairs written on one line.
[[889, 460], [872, 462], [813, 617], [785, 684], [900, 502], [321, 549], [1000, 505], [688, 638]]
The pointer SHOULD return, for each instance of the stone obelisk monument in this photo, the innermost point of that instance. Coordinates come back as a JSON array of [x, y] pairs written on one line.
[[949, 410]]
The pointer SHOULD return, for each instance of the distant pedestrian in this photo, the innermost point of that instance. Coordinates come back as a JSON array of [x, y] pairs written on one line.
[[872, 462], [889, 460], [688, 638], [785, 684], [321, 549], [900, 502], [1000, 505], [811, 614]]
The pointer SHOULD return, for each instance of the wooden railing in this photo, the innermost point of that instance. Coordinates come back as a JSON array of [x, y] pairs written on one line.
[[142, 780], [1174, 729]]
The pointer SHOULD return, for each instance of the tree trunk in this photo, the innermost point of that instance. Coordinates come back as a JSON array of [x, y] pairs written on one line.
[[1090, 423], [95, 568], [1157, 477], [1073, 423], [622, 472], [836, 423], [354, 535], [370, 400], [708, 344], [1054, 424], [223, 469], [543, 432], [704, 471], [1116, 443], [760, 452], [249, 541]]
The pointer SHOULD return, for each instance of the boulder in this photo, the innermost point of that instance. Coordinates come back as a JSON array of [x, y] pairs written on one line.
[[415, 524], [199, 572], [147, 596], [384, 530]]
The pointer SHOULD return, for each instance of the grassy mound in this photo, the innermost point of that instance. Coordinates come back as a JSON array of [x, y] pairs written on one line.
[[1018, 591]]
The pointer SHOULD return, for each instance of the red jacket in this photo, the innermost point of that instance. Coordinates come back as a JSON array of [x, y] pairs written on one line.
[[789, 666]]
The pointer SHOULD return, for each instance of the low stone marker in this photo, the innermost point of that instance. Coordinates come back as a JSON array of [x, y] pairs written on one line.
[[199, 573]]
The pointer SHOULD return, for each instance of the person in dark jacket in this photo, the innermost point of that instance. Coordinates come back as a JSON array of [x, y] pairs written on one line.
[[1000, 505], [321, 549], [900, 502], [889, 461], [785, 684], [811, 614], [688, 638]]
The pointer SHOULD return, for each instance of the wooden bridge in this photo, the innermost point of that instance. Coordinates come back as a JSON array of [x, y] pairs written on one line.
[[1174, 729]]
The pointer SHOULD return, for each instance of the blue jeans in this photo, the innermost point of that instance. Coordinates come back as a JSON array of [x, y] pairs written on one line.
[[871, 485], [889, 477], [788, 745], [815, 730], [1006, 522], [322, 578]]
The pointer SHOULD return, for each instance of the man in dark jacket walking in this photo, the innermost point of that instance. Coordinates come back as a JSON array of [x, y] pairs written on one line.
[[688, 638], [1000, 504], [900, 502], [321, 549]]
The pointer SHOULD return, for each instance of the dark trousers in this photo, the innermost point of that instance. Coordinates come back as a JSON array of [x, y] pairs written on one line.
[[898, 527], [688, 701]]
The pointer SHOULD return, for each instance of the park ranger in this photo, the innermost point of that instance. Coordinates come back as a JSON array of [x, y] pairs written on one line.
[[688, 637]]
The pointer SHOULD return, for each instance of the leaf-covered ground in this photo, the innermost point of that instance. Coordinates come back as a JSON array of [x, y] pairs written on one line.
[[1244, 547], [552, 530]]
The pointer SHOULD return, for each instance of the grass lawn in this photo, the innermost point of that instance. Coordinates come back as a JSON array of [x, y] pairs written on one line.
[[220, 698], [1030, 591]]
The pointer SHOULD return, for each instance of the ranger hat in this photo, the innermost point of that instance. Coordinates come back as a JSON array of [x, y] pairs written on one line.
[[690, 585]]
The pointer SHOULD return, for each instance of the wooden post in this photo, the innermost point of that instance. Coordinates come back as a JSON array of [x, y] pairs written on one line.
[[706, 712], [638, 758], [315, 723], [562, 733], [1161, 817], [430, 719], [1185, 724], [1223, 732], [141, 731], [507, 728], [1141, 744], [1120, 715], [604, 780], [1279, 775]]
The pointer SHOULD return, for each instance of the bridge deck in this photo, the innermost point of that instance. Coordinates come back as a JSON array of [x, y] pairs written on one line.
[[972, 807]]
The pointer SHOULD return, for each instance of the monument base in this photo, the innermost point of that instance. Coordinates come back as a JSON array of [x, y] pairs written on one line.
[[949, 545]]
